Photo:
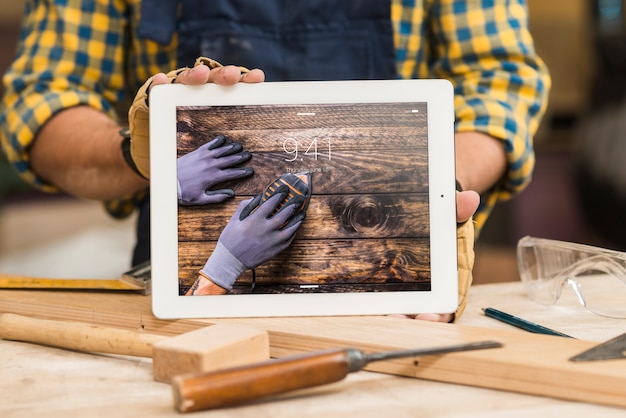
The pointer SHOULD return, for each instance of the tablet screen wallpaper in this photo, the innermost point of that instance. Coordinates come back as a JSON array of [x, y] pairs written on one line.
[[354, 177]]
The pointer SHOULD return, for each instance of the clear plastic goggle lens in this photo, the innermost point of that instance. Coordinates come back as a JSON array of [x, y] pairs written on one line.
[[597, 275]]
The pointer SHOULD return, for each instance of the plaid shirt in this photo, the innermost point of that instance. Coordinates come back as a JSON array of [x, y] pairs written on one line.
[[75, 52]]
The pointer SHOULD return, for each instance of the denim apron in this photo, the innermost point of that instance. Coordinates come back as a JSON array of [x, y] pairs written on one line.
[[288, 39]]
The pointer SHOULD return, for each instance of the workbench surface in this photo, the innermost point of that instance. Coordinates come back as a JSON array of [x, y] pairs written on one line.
[[50, 382]]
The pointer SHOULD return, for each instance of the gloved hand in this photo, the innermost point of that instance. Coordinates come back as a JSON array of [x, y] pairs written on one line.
[[249, 241], [465, 260], [139, 118], [208, 165]]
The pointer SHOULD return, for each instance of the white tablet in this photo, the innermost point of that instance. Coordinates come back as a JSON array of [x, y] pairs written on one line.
[[380, 230]]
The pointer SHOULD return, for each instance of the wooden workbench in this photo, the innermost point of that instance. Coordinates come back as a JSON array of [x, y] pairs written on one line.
[[43, 381]]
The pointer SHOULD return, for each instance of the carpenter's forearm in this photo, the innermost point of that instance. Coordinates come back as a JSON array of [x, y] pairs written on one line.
[[480, 160], [78, 151]]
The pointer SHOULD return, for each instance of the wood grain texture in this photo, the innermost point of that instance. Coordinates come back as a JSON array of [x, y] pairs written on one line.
[[328, 217], [360, 172], [10, 281], [367, 224], [208, 349], [528, 363], [342, 138], [398, 261], [76, 335], [273, 116]]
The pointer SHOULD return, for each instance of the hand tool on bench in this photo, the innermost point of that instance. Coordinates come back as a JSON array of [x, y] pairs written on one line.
[[237, 385], [613, 349], [136, 279], [204, 349]]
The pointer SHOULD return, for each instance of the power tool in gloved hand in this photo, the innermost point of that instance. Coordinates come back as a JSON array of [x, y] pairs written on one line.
[[259, 229], [210, 164], [297, 188]]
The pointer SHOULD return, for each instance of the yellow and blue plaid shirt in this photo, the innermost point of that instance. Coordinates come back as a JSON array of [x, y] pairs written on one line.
[[74, 52]]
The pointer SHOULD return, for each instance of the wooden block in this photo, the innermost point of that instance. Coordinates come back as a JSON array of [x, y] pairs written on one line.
[[209, 348]]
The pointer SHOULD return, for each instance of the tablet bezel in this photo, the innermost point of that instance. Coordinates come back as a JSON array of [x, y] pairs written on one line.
[[443, 296]]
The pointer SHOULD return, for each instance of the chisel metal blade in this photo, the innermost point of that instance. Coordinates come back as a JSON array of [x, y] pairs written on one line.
[[389, 355]]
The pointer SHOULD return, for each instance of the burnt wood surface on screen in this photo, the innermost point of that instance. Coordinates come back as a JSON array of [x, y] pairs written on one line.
[[367, 225]]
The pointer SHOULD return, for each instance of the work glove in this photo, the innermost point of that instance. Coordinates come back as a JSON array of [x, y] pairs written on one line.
[[249, 241], [465, 260], [139, 118], [207, 166]]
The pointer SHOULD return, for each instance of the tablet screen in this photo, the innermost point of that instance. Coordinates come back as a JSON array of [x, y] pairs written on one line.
[[375, 160], [367, 222]]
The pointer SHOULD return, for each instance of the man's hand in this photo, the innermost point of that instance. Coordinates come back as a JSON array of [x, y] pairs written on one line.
[[210, 164], [205, 71], [202, 74], [466, 205]]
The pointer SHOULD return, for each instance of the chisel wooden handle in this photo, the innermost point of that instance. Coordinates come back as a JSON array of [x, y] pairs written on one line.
[[77, 336], [195, 392]]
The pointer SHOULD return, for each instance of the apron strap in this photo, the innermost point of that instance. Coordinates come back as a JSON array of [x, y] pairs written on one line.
[[158, 20]]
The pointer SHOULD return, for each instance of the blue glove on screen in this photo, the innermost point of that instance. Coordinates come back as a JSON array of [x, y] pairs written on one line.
[[208, 165], [249, 241]]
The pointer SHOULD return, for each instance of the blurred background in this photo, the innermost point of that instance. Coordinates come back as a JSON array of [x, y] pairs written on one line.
[[578, 191], [53, 235]]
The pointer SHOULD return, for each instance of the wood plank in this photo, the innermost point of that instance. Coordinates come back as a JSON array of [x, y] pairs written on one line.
[[528, 363], [198, 118], [10, 281], [341, 138], [400, 260], [328, 217], [361, 172]]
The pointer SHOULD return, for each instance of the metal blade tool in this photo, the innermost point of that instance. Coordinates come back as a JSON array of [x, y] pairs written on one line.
[[610, 350]]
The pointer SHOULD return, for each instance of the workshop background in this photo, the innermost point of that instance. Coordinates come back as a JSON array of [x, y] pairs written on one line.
[[578, 191]]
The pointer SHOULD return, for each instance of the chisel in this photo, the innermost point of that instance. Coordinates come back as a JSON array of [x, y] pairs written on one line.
[[234, 386]]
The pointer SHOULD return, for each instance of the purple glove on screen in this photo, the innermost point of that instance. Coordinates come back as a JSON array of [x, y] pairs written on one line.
[[208, 165], [252, 237]]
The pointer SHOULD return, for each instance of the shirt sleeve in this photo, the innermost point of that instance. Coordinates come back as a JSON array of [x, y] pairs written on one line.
[[485, 49], [69, 54]]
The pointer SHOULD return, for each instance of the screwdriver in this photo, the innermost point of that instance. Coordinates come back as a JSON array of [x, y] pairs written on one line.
[[237, 385]]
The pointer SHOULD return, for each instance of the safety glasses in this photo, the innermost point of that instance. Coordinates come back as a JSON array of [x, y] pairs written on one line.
[[596, 275]]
